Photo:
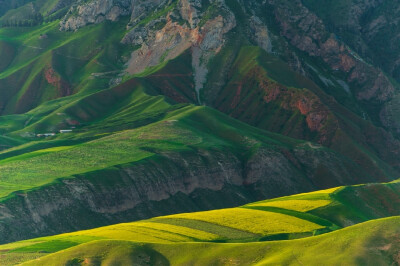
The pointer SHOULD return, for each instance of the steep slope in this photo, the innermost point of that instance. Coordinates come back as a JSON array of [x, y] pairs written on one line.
[[367, 26], [302, 82], [264, 92], [330, 102], [42, 64]]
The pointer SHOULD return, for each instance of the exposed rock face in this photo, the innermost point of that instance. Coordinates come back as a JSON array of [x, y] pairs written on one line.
[[308, 33], [137, 36], [210, 43], [141, 9], [260, 34], [168, 184], [189, 11], [174, 38], [162, 45], [308, 104], [94, 12], [53, 78]]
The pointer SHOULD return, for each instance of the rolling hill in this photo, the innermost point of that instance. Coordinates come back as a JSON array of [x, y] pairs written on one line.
[[244, 235]]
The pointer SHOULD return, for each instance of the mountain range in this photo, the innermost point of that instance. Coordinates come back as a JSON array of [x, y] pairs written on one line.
[[115, 111]]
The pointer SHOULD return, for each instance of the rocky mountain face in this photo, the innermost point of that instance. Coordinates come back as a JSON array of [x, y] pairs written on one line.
[[203, 26], [321, 71], [291, 31], [81, 15]]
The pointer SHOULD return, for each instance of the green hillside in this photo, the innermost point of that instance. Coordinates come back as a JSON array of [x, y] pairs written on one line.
[[366, 244], [162, 240], [52, 66]]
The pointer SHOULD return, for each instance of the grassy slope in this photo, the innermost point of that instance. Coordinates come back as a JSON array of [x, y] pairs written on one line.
[[122, 122], [344, 206], [372, 243], [73, 56], [293, 217]]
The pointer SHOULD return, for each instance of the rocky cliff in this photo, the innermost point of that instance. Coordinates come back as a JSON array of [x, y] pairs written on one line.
[[97, 11]]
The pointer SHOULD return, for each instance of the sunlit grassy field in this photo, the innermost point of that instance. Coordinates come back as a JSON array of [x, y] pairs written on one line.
[[193, 238], [239, 219]]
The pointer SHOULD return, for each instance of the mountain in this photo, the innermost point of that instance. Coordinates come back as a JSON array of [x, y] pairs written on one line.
[[113, 111], [305, 82]]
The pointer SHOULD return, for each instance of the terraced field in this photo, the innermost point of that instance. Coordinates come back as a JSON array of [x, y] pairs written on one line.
[[248, 234]]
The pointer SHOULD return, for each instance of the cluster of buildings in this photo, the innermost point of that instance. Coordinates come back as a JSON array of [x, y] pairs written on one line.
[[62, 131]]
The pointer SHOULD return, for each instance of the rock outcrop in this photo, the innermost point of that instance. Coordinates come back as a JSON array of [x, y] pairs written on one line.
[[94, 12], [308, 33], [175, 37], [53, 78]]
